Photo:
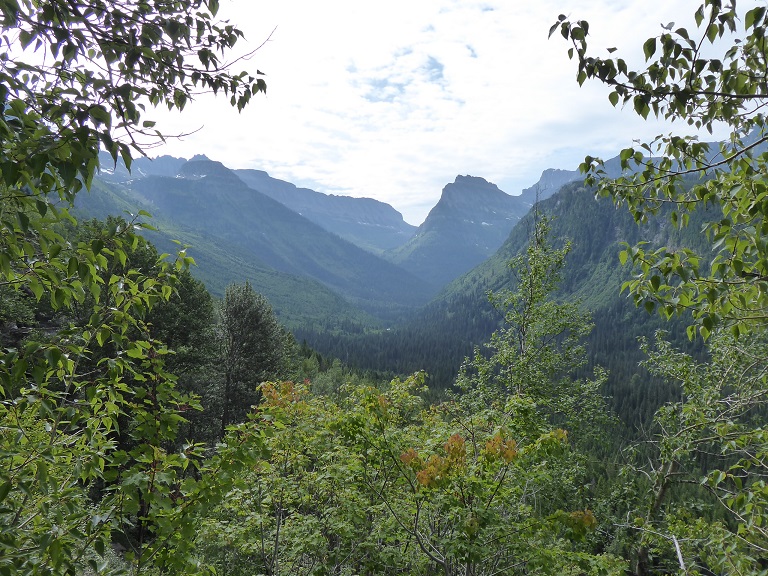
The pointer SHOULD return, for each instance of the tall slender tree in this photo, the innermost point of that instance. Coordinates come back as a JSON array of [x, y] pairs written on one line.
[[254, 348], [531, 358]]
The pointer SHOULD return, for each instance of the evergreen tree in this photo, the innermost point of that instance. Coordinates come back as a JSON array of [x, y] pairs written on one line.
[[254, 348]]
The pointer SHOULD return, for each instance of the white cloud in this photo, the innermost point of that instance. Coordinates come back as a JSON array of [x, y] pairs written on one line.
[[393, 100]]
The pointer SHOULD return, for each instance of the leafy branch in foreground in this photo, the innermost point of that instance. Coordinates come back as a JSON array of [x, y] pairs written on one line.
[[684, 81], [88, 412], [703, 504], [78, 75], [696, 499]]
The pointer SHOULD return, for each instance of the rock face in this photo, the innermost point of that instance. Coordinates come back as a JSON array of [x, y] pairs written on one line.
[[550, 182], [470, 222], [140, 168], [476, 212], [367, 223], [202, 167]]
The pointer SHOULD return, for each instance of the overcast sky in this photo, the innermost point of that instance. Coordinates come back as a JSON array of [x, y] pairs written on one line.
[[391, 100]]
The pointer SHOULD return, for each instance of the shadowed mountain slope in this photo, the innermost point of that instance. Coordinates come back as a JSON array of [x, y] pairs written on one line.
[[210, 198], [367, 223]]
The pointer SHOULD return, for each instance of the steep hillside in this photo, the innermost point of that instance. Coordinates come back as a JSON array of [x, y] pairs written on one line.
[[140, 168], [552, 179], [298, 300], [367, 223], [210, 198], [239, 233], [451, 234]]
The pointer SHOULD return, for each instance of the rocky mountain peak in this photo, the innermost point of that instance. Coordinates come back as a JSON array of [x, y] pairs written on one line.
[[201, 167], [469, 188], [552, 179]]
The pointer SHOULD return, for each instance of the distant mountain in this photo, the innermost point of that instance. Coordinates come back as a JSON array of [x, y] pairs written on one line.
[[209, 206], [468, 224], [299, 301], [370, 224], [552, 179], [210, 197]]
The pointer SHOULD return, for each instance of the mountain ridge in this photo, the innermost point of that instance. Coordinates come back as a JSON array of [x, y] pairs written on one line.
[[204, 201], [368, 223]]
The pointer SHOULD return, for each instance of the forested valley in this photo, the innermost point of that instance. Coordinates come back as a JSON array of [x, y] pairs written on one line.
[[523, 420]]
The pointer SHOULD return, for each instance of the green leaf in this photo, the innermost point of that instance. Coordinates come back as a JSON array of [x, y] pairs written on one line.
[[179, 99], [552, 29], [5, 489], [699, 15], [649, 48], [623, 255], [135, 352], [37, 288], [99, 115], [712, 32], [23, 221]]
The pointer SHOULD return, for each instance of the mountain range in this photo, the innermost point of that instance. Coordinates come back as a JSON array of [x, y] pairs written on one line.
[[335, 252], [353, 280], [367, 223], [236, 231]]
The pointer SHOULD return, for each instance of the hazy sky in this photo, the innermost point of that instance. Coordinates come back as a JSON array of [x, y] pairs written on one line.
[[392, 100]]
